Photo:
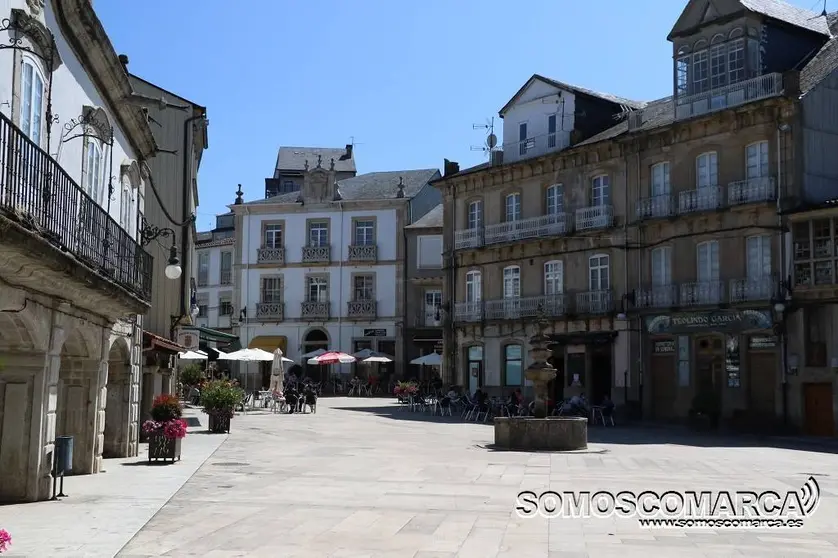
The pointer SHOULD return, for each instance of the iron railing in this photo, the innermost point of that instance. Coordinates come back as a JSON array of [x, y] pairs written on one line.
[[39, 194]]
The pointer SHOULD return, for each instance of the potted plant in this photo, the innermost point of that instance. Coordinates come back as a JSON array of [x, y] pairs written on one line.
[[219, 399], [5, 540], [191, 375], [166, 428]]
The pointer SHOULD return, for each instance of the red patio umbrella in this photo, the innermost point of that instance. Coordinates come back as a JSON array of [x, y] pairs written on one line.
[[332, 357]]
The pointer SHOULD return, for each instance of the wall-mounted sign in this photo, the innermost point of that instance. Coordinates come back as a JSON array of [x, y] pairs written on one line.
[[189, 337], [375, 333], [663, 347], [722, 321], [762, 342]]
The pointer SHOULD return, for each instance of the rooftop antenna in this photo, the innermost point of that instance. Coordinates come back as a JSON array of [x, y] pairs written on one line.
[[824, 9], [491, 139]]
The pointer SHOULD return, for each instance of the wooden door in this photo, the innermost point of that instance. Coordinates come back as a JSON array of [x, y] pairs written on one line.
[[762, 383], [817, 406], [664, 386]]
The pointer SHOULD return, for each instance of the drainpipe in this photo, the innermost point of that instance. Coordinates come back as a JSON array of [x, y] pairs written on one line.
[[448, 323], [187, 217], [783, 333]]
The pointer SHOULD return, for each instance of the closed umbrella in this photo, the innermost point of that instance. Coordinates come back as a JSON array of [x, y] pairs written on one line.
[[277, 370]]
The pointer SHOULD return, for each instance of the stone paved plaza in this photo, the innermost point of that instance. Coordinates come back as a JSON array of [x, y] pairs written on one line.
[[359, 479]]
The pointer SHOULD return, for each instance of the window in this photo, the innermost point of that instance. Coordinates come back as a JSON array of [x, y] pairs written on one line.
[[551, 131], [475, 215], [512, 282], [700, 76], [429, 251], [271, 289], [474, 286], [363, 287], [660, 180], [814, 252], [203, 306], [512, 365], [756, 156], [226, 275], [707, 170], [433, 300], [553, 278], [317, 289], [225, 307], [32, 101], [718, 66], [682, 79], [288, 186], [554, 199], [600, 191], [125, 207], [93, 185], [758, 256], [522, 138], [815, 340], [736, 61], [707, 264], [273, 235], [513, 207], [318, 234], [364, 233], [662, 266], [599, 273], [203, 269]]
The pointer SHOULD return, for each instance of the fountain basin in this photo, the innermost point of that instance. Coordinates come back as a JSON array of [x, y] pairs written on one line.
[[545, 434]]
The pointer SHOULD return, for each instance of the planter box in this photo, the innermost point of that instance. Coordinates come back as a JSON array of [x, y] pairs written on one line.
[[219, 425], [162, 448]]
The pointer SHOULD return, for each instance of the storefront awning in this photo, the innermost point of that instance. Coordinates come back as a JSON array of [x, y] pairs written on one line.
[[208, 334], [269, 343], [152, 342]]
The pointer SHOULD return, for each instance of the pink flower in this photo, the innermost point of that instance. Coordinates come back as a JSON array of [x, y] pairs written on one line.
[[5, 540]]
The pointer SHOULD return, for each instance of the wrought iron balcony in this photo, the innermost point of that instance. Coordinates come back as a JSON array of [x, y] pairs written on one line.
[[655, 207], [274, 255], [203, 280], [708, 198], [702, 292], [468, 312], [548, 306], [752, 289], [658, 296], [468, 238], [365, 309], [594, 302], [431, 316], [363, 253], [270, 311], [522, 229], [748, 91], [315, 310], [41, 196], [226, 276], [317, 254], [597, 217], [753, 190]]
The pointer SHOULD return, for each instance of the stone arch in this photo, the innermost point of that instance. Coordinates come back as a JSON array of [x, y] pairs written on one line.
[[15, 333], [313, 339], [78, 390], [117, 399], [316, 335]]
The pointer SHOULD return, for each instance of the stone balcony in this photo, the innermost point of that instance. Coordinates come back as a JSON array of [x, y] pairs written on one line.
[[596, 217], [317, 254], [522, 229], [546, 306], [274, 255], [270, 311], [753, 190], [363, 253], [362, 309], [468, 238], [701, 293], [657, 296], [752, 289], [594, 302], [656, 207], [315, 310], [469, 312], [708, 198]]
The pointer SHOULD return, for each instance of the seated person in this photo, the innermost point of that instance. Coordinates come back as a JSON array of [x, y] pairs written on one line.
[[607, 406], [292, 398], [578, 404]]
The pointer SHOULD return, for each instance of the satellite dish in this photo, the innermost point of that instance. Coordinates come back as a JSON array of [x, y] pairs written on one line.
[[491, 141]]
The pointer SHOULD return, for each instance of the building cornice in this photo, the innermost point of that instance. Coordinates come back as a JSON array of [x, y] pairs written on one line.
[[331, 207], [90, 43]]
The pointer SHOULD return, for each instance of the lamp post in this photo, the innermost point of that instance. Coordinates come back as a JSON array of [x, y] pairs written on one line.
[[149, 233]]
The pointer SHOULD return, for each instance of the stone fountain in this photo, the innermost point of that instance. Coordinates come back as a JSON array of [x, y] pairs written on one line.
[[541, 432]]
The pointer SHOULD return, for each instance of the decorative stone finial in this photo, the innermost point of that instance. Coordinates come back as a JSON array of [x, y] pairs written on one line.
[[306, 165], [239, 194], [320, 161], [400, 193], [332, 164]]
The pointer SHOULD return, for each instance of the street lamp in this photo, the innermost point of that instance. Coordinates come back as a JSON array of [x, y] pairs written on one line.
[[148, 233]]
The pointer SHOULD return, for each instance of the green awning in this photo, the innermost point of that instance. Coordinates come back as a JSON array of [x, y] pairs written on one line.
[[207, 334]]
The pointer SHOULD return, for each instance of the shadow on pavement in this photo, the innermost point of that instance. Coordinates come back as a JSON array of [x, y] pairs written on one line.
[[636, 434]]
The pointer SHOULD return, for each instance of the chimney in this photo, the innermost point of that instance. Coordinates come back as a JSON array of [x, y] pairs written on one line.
[[496, 157], [450, 167], [400, 193], [348, 154], [239, 194], [123, 59], [791, 83]]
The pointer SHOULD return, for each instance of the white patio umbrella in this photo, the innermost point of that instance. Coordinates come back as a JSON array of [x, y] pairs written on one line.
[[368, 355], [378, 358], [192, 355], [248, 355], [433, 359], [312, 354]]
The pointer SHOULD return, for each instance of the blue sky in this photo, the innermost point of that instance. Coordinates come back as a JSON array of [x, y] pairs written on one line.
[[406, 79]]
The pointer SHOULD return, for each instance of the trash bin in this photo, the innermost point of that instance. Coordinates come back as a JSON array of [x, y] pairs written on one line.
[[63, 454]]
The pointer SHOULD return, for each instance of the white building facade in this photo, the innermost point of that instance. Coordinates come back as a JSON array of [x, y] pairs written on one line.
[[214, 279], [324, 267], [73, 276]]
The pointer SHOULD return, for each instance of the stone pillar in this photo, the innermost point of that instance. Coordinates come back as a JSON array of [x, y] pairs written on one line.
[[540, 372], [44, 407], [134, 400], [100, 391]]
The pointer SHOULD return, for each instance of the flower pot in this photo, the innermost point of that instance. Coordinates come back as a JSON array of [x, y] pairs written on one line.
[[161, 447], [219, 424]]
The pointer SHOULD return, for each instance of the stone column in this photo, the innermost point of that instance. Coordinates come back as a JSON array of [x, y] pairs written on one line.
[[540, 372], [134, 399], [44, 407]]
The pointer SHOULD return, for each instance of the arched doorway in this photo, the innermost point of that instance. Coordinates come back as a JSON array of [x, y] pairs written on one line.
[[118, 401], [75, 414], [314, 339]]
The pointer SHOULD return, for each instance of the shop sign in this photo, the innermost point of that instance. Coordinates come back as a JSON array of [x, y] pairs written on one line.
[[375, 333], [663, 347], [722, 321], [188, 337], [762, 342]]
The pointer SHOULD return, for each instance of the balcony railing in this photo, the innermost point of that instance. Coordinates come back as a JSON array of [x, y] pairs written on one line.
[[594, 302], [655, 207], [38, 193], [702, 292], [708, 198], [468, 312], [752, 289], [226, 276], [597, 217], [761, 87], [753, 190], [315, 310], [203, 281], [270, 311], [366, 309], [548, 306], [659, 296], [274, 255], [363, 253], [533, 227], [317, 254], [534, 146], [468, 238]]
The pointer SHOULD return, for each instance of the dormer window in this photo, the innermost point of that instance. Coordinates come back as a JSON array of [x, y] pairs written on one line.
[[701, 67]]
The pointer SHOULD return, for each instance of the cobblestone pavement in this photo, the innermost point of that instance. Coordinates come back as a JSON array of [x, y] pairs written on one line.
[[359, 479]]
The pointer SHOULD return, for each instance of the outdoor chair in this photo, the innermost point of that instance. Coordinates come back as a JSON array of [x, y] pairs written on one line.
[[444, 406]]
